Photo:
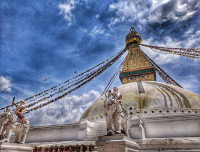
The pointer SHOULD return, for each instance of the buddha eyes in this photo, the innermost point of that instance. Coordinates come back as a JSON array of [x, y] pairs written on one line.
[[133, 78], [143, 76]]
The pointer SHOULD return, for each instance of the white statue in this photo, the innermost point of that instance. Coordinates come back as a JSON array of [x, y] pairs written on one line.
[[3, 120], [109, 110], [17, 123], [115, 114], [20, 129]]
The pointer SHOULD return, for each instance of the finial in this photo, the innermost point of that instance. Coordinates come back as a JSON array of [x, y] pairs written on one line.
[[132, 29]]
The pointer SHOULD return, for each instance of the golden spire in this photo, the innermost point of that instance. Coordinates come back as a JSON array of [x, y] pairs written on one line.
[[136, 66]]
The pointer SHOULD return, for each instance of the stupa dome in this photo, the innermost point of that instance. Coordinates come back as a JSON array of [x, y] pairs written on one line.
[[145, 96]]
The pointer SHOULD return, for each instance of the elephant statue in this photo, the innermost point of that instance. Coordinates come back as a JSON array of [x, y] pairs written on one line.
[[20, 129], [116, 116], [3, 120], [109, 109], [120, 119]]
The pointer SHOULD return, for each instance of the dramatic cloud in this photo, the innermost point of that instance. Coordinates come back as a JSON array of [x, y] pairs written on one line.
[[97, 30], [66, 9], [66, 110], [192, 39], [147, 11], [5, 84]]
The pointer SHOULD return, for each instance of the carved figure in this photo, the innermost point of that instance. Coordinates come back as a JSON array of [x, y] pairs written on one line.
[[115, 114], [109, 110], [14, 122], [3, 120], [20, 129]]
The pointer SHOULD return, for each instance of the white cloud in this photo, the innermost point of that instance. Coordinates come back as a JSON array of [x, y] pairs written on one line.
[[66, 9], [66, 110], [97, 30], [162, 58], [192, 40], [144, 11], [5, 84], [190, 31]]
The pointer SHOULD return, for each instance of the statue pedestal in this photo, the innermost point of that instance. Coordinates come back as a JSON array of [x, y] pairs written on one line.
[[116, 143], [14, 147]]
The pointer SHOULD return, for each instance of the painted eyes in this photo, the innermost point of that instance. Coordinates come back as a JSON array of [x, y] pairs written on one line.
[[143, 76]]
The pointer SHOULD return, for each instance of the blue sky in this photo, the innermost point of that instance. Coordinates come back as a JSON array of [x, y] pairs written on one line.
[[42, 38]]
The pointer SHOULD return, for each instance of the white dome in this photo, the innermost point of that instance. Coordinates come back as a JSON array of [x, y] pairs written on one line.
[[155, 95]]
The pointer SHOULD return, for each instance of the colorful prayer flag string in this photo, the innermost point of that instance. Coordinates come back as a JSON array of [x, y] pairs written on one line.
[[162, 73], [187, 52], [33, 98], [97, 73]]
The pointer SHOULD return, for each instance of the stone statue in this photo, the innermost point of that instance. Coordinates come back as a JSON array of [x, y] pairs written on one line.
[[20, 129], [109, 110], [115, 114], [117, 118], [15, 122], [3, 120]]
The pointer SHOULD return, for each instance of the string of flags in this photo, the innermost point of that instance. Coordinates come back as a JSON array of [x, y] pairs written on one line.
[[87, 80], [187, 52], [50, 90], [46, 79], [60, 90], [162, 73], [54, 90], [71, 80], [113, 77]]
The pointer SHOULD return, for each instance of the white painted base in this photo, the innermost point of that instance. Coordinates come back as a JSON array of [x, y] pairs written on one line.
[[15, 147], [116, 143]]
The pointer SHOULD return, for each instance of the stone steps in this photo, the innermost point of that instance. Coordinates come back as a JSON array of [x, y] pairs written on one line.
[[98, 130]]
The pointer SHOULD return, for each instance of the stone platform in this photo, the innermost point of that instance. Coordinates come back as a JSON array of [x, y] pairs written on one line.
[[14, 147], [191, 144], [116, 143]]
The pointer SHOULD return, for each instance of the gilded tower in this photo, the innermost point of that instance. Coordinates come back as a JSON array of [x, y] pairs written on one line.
[[136, 66]]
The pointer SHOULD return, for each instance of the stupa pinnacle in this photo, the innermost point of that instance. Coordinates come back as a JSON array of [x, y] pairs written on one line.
[[136, 66]]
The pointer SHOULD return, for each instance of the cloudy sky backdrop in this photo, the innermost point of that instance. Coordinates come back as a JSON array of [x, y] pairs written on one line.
[[42, 38]]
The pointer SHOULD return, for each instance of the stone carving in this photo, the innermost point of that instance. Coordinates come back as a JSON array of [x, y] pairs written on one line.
[[3, 120], [109, 109], [16, 122], [20, 129], [116, 116]]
